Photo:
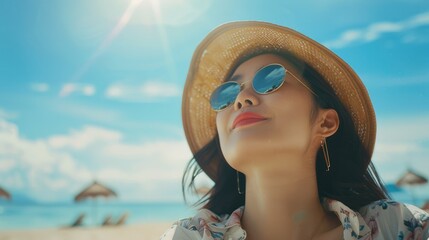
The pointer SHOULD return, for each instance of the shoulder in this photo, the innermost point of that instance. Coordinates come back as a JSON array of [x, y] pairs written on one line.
[[389, 219], [206, 225]]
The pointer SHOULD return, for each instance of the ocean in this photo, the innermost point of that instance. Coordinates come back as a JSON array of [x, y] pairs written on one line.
[[36, 215], [15, 216]]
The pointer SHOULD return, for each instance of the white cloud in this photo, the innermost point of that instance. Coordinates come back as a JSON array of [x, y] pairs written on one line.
[[412, 128], [167, 150], [84, 138], [86, 112], [9, 131], [7, 115], [376, 30], [57, 167], [148, 91], [84, 89], [13, 180], [67, 89], [34, 167], [110, 117], [88, 90], [40, 87], [6, 165], [379, 80], [419, 20], [402, 142]]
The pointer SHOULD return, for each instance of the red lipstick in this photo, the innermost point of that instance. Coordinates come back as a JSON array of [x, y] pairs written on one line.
[[247, 118]]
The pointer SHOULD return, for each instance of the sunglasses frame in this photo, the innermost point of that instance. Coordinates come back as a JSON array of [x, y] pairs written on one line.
[[253, 79]]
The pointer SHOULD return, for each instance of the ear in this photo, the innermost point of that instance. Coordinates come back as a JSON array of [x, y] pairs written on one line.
[[328, 122]]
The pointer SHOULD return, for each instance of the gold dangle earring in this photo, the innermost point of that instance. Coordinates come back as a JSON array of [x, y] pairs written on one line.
[[324, 146], [238, 184]]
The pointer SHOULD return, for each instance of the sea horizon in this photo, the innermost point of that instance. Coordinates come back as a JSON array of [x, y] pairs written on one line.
[[42, 215]]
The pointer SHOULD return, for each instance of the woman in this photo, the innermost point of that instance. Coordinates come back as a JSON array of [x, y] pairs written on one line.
[[286, 130]]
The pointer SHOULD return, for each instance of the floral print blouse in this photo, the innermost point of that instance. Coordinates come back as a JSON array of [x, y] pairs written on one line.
[[383, 219]]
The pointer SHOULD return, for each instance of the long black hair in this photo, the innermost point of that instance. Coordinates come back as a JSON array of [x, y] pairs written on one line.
[[352, 179]]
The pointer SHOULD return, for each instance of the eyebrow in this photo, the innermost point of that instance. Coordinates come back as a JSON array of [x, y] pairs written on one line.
[[234, 78]]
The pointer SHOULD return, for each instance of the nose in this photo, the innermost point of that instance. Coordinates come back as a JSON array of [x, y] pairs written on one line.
[[246, 97]]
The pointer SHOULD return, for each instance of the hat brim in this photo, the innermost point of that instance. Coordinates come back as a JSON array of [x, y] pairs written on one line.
[[227, 44]]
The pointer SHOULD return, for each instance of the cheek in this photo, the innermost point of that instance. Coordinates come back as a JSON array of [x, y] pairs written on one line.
[[292, 125], [227, 142], [221, 123], [221, 126], [292, 128]]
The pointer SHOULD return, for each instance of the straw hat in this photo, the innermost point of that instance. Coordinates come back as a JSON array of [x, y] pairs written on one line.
[[223, 48]]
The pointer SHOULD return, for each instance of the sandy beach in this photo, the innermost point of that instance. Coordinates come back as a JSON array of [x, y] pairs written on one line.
[[146, 231]]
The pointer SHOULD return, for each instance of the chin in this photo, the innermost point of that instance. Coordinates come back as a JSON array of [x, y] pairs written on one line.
[[239, 155]]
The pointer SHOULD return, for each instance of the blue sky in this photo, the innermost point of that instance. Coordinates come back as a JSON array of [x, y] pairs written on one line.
[[92, 89]]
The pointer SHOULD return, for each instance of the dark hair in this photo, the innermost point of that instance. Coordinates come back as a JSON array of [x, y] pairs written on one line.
[[352, 178]]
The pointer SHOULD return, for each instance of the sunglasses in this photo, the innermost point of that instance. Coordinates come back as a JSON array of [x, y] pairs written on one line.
[[267, 80]]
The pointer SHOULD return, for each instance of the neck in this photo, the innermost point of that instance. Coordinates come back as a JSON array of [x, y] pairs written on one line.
[[279, 204]]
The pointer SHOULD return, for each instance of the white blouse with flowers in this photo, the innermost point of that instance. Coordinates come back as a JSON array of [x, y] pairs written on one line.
[[383, 219]]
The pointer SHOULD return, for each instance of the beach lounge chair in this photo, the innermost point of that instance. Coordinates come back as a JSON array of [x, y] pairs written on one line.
[[122, 219], [107, 221], [79, 221], [425, 206]]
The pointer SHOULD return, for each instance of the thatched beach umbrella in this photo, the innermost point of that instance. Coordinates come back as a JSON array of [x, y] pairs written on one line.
[[410, 178], [4, 194], [94, 191]]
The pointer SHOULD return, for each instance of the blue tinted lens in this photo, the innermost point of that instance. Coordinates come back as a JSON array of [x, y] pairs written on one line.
[[269, 78], [224, 95]]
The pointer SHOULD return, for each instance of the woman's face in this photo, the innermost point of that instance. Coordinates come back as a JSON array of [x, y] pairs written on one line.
[[288, 128]]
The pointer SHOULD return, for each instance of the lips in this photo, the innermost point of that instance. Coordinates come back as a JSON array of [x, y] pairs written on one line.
[[247, 118]]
